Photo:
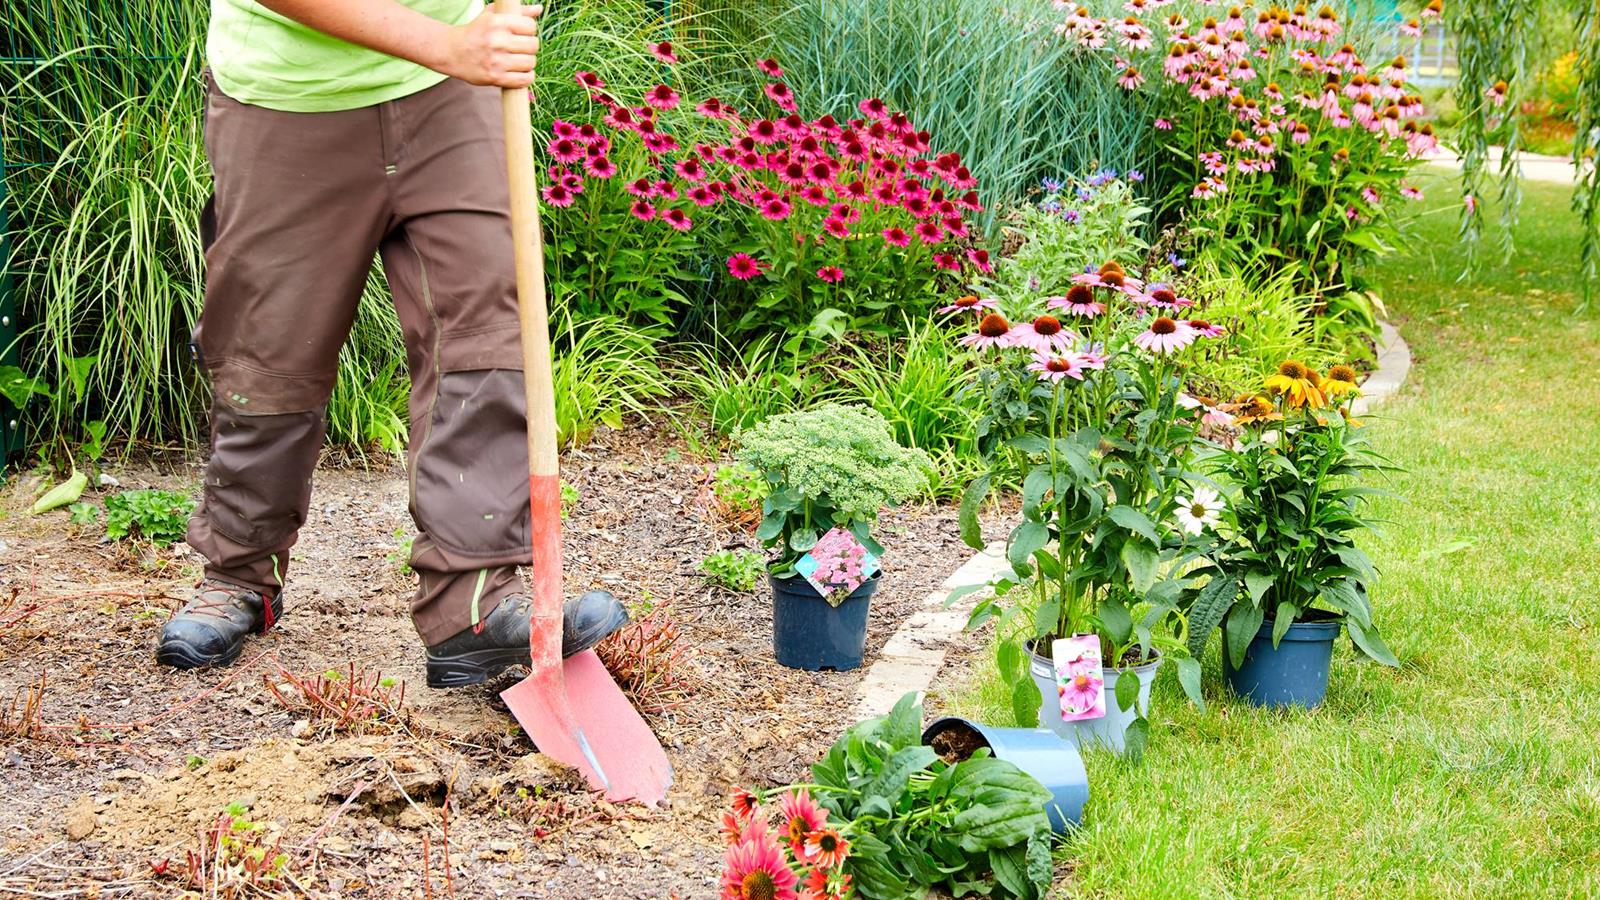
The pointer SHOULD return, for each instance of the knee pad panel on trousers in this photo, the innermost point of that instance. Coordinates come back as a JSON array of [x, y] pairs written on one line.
[[470, 473], [258, 481]]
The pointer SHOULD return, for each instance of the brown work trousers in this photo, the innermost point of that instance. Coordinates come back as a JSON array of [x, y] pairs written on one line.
[[302, 202]]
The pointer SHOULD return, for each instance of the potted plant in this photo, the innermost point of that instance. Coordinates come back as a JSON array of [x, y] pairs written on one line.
[[829, 471], [1085, 413], [1287, 573]]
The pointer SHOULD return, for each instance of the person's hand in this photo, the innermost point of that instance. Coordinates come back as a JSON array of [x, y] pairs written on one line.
[[494, 49]]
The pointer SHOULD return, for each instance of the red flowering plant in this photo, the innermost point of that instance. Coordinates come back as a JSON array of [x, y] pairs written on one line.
[[1282, 139], [803, 859], [822, 225]]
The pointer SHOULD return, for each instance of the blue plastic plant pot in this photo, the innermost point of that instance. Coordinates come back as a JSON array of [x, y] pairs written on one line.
[[1294, 673], [1050, 758], [808, 633]]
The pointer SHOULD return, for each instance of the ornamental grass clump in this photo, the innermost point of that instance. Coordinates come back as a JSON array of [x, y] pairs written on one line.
[[827, 467], [1285, 542]]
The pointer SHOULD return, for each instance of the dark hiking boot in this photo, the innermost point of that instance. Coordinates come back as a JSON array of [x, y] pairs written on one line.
[[501, 640], [210, 629]]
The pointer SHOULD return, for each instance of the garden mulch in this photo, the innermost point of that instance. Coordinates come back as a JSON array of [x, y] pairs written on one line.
[[96, 807]]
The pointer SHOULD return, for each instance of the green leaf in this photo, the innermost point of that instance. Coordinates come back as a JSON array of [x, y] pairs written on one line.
[[1135, 739], [1115, 619], [1239, 629], [902, 727], [1026, 702], [1030, 443], [803, 540], [1008, 659], [1210, 605], [1257, 582], [771, 527], [1025, 539], [971, 499], [1136, 521], [1034, 488], [62, 494], [83, 513], [1001, 806], [1368, 641], [1141, 560], [1282, 619], [78, 369], [896, 773], [1010, 867], [1127, 692], [1189, 678]]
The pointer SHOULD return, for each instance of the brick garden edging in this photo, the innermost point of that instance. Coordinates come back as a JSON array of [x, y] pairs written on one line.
[[914, 654]]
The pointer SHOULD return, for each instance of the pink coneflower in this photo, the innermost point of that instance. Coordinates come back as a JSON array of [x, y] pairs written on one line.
[[744, 267], [770, 68], [1045, 334], [980, 259], [703, 196], [781, 95], [1411, 28], [970, 303], [690, 169], [641, 187], [1055, 368], [896, 237], [1214, 162], [667, 189], [1079, 301], [1091, 356], [1130, 78], [1110, 276], [801, 816], [837, 227], [831, 274], [1370, 195], [993, 331], [1470, 202], [764, 131], [755, 870], [1163, 296], [677, 219], [873, 109], [1210, 187], [1165, 335], [846, 212], [1206, 329], [562, 129], [600, 167], [947, 262], [711, 108], [589, 80], [663, 52], [565, 150], [815, 194], [557, 195], [642, 210], [1497, 93], [930, 232], [1411, 192], [660, 143]]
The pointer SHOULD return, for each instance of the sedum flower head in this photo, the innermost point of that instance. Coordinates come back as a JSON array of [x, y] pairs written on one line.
[[845, 456]]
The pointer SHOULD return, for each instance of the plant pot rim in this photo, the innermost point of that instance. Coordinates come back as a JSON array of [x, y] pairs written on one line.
[[1156, 658], [1314, 631]]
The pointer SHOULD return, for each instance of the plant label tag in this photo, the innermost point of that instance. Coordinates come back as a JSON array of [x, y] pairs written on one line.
[[1080, 682], [837, 565]]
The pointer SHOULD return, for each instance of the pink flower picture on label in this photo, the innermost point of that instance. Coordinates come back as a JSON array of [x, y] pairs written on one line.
[[1080, 682]]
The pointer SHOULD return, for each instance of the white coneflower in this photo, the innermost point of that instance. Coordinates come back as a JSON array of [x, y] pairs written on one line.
[[1200, 511]]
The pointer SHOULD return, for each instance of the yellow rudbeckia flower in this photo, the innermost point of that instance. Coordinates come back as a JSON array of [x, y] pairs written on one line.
[[1298, 384], [1341, 380]]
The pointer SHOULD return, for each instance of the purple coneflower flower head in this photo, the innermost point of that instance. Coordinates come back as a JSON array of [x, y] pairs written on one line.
[[1165, 335], [1045, 334], [993, 331], [1055, 368], [744, 267], [1079, 302], [970, 303]]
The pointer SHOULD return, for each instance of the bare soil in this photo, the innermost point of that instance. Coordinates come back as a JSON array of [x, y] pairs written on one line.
[[114, 767]]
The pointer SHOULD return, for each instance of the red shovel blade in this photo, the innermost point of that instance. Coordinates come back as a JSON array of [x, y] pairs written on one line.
[[590, 725]]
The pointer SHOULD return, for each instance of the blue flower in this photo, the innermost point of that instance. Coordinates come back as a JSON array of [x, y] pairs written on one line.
[[1135, 176], [1071, 215], [1052, 185], [1051, 205], [1085, 194], [1177, 261]]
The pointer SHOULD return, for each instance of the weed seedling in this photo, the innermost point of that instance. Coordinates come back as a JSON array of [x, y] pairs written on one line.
[[736, 570]]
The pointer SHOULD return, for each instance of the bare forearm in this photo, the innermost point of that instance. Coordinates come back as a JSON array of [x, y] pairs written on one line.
[[492, 49]]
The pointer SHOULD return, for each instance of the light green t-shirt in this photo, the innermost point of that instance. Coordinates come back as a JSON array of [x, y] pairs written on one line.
[[264, 59]]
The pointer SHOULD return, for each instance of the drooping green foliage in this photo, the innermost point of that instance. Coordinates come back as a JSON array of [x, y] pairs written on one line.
[[161, 517]]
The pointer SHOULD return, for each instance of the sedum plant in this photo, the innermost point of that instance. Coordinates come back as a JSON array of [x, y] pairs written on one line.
[[831, 466], [1285, 549]]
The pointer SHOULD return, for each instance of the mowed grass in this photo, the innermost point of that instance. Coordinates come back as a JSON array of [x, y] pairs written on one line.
[[1473, 770]]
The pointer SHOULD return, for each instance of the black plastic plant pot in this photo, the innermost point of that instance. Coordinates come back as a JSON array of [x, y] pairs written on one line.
[[1054, 761], [809, 633], [1294, 673]]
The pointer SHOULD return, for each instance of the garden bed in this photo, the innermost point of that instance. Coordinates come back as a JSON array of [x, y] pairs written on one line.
[[111, 805]]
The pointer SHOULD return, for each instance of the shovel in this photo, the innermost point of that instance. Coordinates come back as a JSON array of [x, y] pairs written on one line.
[[573, 710]]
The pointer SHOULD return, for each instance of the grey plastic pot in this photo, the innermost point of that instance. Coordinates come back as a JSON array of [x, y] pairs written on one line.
[[1294, 673], [809, 633], [1050, 758], [1108, 731]]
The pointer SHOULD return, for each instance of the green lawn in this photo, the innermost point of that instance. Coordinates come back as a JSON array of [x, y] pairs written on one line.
[[1474, 770]]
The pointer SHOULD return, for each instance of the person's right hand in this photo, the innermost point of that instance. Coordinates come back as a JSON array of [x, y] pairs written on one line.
[[494, 49]]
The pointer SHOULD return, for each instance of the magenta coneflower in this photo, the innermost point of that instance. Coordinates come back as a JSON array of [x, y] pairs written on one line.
[[663, 52], [677, 219], [667, 189], [781, 95], [1207, 329], [642, 210], [846, 212], [837, 227], [930, 232], [980, 258], [946, 261], [641, 187], [689, 169], [1165, 335], [566, 150], [703, 196], [873, 108], [600, 167], [744, 267], [1163, 296], [970, 303], [993, 331], [896, 237], [755, 870], [770, 68], [1079, 301], [563, 129], [662, 97], [815, 194], [557, 195], [1055, 368], [1045, 334], [831, 274], [777, 210], [589, 80], [711, 108]]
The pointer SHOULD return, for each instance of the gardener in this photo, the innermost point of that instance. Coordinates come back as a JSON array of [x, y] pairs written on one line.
[[336, 129]]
